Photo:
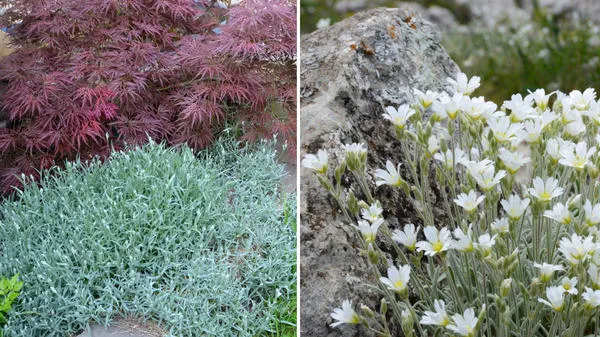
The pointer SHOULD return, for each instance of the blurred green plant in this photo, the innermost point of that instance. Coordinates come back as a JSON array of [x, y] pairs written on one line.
[[548, 52], [10, 289]]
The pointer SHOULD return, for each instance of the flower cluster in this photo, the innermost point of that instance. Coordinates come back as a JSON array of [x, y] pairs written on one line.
[[519, 188]]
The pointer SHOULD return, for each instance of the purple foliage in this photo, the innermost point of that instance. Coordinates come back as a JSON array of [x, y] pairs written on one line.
[[88, 75]]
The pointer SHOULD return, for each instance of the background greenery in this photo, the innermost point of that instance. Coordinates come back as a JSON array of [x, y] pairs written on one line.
[[203, 246]]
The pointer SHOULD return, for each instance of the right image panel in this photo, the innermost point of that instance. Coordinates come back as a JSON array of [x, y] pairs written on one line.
[[449, 181]]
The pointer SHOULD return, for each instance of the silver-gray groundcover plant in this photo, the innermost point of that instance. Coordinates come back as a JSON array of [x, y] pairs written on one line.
[[518, 250], [202, 244]]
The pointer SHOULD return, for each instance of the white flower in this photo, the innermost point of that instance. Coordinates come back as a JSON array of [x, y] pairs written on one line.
[[355, 148], [592, 213], [425, 99], [547, 117], [369, 231], [540, 98], [591, 297], [577, 249], [463, 85], [547, 270], [531, 131], [477, 107], [517, 101], [459, 103], [581, 101], [555, 145], [515, 206], [477, 167], [406, 237], [345, 314], [317, 163], [464, 241], [323, 23], [485, 244], [489, 178], [439, 317], [397, 279], [545, 190], [390, 176], [399, 117], [464, 324], [503, 129], [594, 273], [563, 101], [469, 201], [556, 297], [576, 128], [512, 160], [501, 225], [440, 106], [560, 213], [447, 158], [593, 113], [578, 159], [520, 113], [433, 144], [437, 242], [373, 213], [569, 114], [569, 285]]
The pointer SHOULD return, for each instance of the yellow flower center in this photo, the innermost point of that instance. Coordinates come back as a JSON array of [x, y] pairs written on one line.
[[437, 246], [545, 196], [369, 238], [579, 162], [399, 123], [399, 285]]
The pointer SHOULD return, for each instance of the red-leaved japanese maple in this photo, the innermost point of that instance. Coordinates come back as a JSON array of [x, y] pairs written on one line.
[[91, 75]]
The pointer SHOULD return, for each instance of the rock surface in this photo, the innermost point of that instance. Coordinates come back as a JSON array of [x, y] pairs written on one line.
[[343, 92], [440, 16]]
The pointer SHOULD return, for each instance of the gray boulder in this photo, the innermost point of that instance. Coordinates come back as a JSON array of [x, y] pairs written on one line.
[[349, 72], [440, 16]]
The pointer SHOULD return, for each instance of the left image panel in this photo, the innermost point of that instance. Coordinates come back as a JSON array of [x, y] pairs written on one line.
[[147, 168]]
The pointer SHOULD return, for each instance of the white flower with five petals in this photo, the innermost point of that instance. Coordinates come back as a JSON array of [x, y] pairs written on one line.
[[437, 241], [389, 176], [407, 236]]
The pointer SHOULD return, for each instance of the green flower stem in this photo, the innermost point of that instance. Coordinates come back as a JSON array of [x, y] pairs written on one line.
[[452, 282], [414, 314], [416, 272]]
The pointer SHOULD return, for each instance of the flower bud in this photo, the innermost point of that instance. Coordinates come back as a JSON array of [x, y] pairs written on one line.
[[367, 311], [373, 255], [325, 183], [353, 203], [384, 306], [339, 171], [505, 287], [407, 323]]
